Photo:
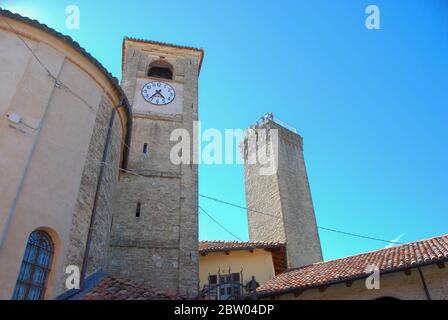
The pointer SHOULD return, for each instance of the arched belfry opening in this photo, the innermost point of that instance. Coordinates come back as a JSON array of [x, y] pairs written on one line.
[[160, 69]]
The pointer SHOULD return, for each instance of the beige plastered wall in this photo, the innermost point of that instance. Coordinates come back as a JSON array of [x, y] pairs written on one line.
[[40, 174], [256, 263]]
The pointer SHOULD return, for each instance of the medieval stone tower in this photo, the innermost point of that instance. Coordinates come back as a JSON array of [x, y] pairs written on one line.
[[281, 208], [154, 236]]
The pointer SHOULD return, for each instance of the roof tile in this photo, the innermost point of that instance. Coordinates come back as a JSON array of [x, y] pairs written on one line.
[[112, 288], [217, 246], [390, 259]]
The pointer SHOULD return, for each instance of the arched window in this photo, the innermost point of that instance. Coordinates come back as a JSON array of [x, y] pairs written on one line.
[[160, 69], [35, 267]]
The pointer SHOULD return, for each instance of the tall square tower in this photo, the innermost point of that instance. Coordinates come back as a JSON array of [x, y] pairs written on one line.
[[279, 201], [154, 237]]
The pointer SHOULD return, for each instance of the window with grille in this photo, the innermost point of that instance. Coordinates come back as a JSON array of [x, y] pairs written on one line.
[[35, 268]]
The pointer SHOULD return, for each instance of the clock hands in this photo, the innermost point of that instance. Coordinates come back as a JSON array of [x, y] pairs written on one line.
[[157, 93]]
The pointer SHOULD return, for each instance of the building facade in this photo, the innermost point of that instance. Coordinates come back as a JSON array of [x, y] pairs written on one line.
[[279, 203], [62, 115], [154, 236], [227, 268], [413, 271], [77, 191], [88, 182], [403, 285]]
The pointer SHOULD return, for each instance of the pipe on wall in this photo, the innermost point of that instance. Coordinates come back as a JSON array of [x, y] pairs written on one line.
[[96, 199], [425, 287]]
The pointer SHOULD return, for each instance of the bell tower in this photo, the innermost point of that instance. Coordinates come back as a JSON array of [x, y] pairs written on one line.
[[279, 199], [154, 236]]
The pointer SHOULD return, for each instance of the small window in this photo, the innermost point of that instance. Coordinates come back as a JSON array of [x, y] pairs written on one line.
[[161, 69], [145, 149], [137, 211], [213, 279]]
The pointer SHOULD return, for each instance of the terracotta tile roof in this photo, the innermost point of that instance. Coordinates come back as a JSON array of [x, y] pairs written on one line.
[[397, 258], [111, 288], [216, 246]]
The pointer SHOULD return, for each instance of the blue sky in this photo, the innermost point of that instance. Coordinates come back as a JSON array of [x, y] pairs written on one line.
[[372, 105]]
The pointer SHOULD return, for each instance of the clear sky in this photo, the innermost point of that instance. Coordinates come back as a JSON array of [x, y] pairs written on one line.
[[372, 105]]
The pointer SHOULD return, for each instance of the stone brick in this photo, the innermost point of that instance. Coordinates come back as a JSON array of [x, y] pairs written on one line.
[[160, 247], [81, 219], [285, 197]]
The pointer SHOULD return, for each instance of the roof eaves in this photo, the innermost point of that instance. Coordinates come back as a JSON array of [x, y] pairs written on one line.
[[170, 45], [242, 246], [270, 293], [88, 285]]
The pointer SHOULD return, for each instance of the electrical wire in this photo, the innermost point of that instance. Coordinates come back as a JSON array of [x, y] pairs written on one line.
[[61, 85], [29, 48], [221, 225], [323, 228], [58, 83], [261, 212]]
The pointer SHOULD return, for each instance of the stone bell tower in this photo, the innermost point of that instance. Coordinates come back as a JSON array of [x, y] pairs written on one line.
[[154, 237], [281, 208]]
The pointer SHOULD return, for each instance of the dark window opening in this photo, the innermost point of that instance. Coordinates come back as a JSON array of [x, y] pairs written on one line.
[[160, 72], [145, 149], [213, 279], [137, 211], [235, 277]]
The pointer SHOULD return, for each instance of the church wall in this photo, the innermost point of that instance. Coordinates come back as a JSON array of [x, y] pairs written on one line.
[[98, 257], [397, 285], [85, 199], [51, 162]]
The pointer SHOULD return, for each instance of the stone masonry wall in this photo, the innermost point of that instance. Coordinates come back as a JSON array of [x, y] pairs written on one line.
[[262, 195], [160, 246], [303, 244], [285, 198], [188, 242], [98, 255], [82, 216]]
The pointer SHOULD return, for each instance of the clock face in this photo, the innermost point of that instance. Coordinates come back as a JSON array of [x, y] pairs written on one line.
[[158, 93]]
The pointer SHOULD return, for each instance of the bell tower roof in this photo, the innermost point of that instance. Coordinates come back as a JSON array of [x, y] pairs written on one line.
[[163, 47]]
